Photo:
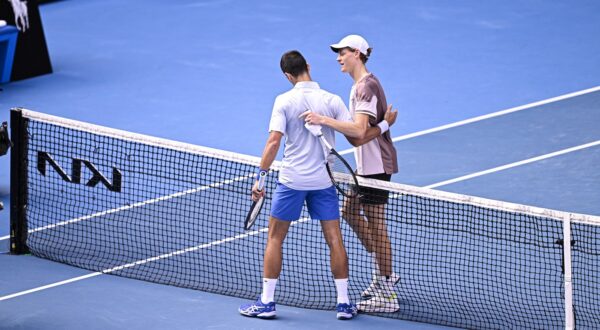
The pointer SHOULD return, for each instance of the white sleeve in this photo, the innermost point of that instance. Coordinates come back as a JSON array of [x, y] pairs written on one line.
[[341, 112], [278, 120], [366, 100]]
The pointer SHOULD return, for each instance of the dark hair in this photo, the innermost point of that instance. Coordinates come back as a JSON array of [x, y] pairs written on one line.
[[364, 58], [293, 62]]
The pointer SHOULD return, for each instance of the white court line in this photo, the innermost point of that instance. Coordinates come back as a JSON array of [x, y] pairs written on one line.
[[488, 116], [143, 203], [145, 261], [515, 164], [138, 204], [136, 263], [52, 285]]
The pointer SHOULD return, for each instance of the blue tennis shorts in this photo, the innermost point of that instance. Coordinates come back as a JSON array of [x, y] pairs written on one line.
[[322, 204]]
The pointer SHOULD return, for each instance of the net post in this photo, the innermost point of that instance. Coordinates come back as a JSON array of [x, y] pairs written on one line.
[[568, 284], [18, 183]]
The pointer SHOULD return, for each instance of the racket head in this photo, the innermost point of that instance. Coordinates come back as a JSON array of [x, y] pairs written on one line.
[[342, 175], [256, 205], [253, 213]]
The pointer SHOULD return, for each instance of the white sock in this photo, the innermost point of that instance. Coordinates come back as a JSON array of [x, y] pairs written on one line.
[[268, 293], [375, 265], [341, 285]]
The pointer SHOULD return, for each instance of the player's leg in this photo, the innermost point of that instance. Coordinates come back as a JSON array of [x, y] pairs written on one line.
[[375, 213], [339, 267], [273, 258], [286, 207], [351, 212], [323, 205], [382, 291], [338, 256], [357, 209]]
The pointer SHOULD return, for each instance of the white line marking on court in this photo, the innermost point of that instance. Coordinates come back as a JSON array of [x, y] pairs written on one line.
[[143, 203], [488, 116], [145, 261], [71, 280], [515, 164], [138, 204]]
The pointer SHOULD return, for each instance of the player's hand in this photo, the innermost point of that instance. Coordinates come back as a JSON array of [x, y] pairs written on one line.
[[256, 194], [21, 15], [390, 115], [313, 118]]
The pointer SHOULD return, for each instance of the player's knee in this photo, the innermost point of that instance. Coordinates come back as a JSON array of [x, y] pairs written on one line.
[[348, 213], [275, 241], [345, 213], [335, 242]]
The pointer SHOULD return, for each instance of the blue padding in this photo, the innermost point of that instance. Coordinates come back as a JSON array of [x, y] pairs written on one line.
[[8, 43]]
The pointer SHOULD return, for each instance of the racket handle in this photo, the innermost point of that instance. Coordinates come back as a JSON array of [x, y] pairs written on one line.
[[325, 143], [262, 177]]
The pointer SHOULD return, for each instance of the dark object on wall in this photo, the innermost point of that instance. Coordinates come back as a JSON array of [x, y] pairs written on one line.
[[31, 56], [4, 139]]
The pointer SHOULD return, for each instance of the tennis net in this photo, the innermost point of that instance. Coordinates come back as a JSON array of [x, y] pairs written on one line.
[[162, 211]]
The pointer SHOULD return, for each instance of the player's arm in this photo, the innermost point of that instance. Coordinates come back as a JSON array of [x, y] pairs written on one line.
[[373, 132], [268, 157], [271, 149], [355, 129]]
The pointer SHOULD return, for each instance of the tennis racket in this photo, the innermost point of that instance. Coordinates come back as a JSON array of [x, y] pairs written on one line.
[[256, 205], [341, 174]]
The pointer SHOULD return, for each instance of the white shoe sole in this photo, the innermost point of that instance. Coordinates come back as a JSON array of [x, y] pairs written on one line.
[[379, 309], [267, 315], [344, 316], [374, 306]]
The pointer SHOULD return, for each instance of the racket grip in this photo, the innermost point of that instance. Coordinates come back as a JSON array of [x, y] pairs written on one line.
[[262, 177], [325, 143]]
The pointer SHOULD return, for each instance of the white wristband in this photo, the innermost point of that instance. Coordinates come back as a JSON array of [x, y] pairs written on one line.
[[383, 126]]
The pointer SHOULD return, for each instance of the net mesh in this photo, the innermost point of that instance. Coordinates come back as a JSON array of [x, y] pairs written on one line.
[[177, 218]]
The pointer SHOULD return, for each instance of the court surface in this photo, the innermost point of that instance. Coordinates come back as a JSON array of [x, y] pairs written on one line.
[[206, 72]]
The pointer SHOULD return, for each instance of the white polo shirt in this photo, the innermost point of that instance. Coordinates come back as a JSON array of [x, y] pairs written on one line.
[[303, 164]]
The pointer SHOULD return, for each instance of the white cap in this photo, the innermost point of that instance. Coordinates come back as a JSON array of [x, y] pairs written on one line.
[[353, 41]]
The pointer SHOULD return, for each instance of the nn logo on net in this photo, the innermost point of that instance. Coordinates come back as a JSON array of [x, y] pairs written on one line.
[[44, 158]]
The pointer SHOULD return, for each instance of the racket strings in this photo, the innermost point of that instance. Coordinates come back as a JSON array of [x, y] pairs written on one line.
[[343, 176], [256, 209]]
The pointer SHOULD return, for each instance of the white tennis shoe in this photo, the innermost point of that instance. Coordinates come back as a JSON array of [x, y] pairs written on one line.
[[380, 304], [373, 288]]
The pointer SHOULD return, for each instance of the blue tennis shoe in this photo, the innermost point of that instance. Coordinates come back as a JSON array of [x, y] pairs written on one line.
[[259, 309], [346, 311]]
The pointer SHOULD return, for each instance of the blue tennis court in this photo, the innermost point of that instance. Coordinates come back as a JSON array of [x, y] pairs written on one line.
[[490, 106]]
